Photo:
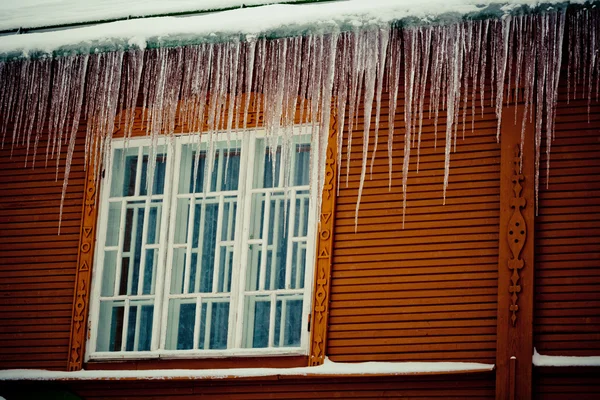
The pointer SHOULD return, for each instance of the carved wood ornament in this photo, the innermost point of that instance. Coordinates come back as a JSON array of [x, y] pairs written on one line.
[[320, 313], [83, 276], [516, 234]]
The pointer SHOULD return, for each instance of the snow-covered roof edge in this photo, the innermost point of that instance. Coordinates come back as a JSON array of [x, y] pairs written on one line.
[[329, 368], [65, 13], [271, 21]]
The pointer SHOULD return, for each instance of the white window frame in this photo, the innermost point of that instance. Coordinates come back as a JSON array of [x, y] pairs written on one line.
[[163, 272]]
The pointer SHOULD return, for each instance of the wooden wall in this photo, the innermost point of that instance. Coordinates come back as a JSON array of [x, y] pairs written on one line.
[[426, 292], [567, 305], [37, 266], [471, 387]]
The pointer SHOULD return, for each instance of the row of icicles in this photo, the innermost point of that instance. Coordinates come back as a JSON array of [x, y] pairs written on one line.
[[192, 85]]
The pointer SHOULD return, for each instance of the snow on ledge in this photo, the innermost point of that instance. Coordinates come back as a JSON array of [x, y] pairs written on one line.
[[540, 360], [279, 20], [329, 368]]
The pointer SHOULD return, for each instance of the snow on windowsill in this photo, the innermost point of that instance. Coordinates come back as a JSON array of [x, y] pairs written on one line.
[[540, 360], [328, 369]]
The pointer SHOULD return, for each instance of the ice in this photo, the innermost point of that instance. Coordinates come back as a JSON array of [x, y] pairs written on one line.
[[286, 82]]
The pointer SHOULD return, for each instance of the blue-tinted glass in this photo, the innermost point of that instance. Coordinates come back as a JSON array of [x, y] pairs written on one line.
[[302, 167], [130, 173], [185, 334], [146, 327], [131, 328], [116, 329], [197, 175], [208, 247], [262, 315], [219, 324], [293, 323]]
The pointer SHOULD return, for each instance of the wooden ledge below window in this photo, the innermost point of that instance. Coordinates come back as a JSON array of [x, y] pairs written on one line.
[[328, 370]]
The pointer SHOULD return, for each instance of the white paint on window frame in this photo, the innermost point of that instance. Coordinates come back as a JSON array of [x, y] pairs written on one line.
[[163, 274]]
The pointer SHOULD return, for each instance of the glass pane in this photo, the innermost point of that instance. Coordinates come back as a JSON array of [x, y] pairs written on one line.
[[278, 241], [301, 214], [150, 271], [110, 326], [180, 325], [192, 169], [214, 320], [178, 271], [254, 266], [258, 316], [298, 265], [225, 269], [113, 224], [229, 215], [181, 221], [108, 273], [301, 175], [257, 216], [124, 168], [160, 167], [267, 166], [288, 314], [154, 214]]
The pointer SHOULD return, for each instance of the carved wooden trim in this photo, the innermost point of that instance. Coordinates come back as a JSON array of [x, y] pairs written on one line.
[[320, 311], [516, 234], [514, 336], [85, 257]]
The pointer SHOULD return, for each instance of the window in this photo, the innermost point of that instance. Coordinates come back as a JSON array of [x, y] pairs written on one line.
[[204, 248]]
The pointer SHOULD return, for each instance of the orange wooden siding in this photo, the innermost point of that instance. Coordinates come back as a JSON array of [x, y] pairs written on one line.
[[567, 302], [37, 267], [426, 292], [480, 386]]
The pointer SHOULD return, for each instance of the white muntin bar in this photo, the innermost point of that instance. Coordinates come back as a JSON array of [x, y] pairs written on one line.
[[282, 322], [290, 235], [125, 325], [197, 322], [273, 301], [138, 171], [120, 250], [129, 289], [138, 319], [142, 267], [188, 247], [200, 250], [265, 239], [208, 324], [217, 259], [275, 245]]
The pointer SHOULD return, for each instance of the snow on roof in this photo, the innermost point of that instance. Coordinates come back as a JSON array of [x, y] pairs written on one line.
[[25, 14], [329, 368], [275, 20]]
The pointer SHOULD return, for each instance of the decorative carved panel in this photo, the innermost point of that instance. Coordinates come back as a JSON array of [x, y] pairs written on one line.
[[516, 234], [320, 313], [83, 276]]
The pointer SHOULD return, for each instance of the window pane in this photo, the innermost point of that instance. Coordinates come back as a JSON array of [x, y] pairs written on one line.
[[181, 320], [258, 314], [160, 168], [301, 173], [214, 321], [288, 321], [108, 273], [110, 326], [113, 224], [178, 271], [124, 166]]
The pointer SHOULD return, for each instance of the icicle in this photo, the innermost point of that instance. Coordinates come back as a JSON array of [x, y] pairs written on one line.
[[371, 41], [394, 83], [384, 36]]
